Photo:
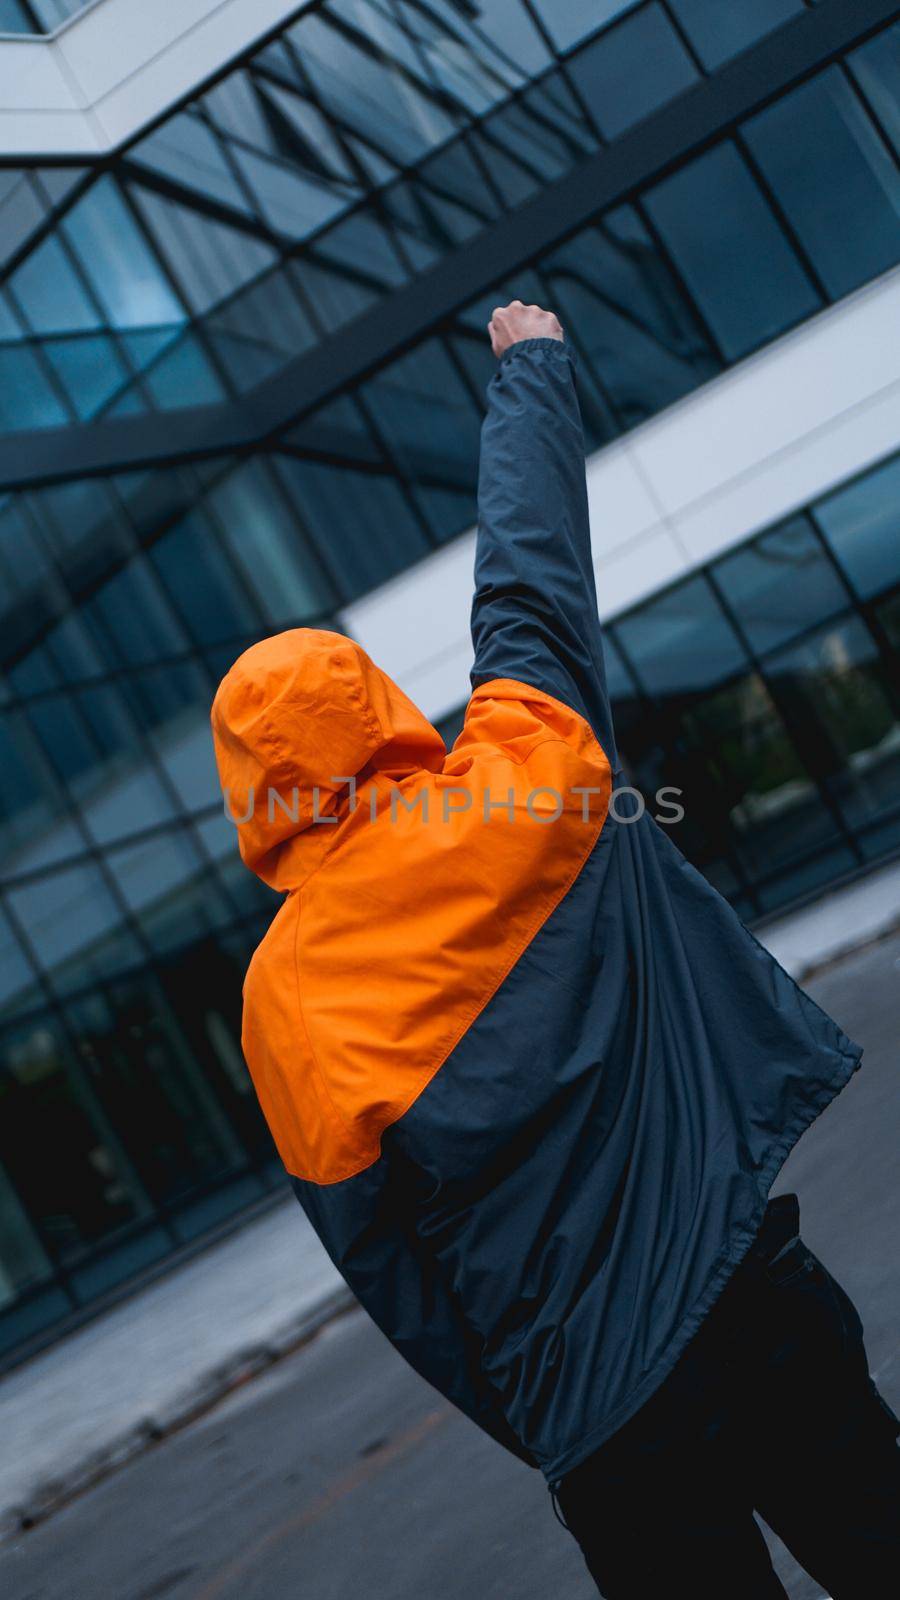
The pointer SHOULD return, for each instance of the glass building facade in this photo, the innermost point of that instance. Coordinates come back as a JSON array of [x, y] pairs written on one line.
[[237, 291], [38, 16]]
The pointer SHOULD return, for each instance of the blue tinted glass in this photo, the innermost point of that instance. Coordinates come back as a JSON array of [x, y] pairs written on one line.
[[185, 149], [718, 31], [10, 326], [289, 201], [534, 139], [361, 523], [50, 294], [14, 18], [628, 72], [781, 584], [681, 643], [731, 250], [876, 68], [184, 377], [22, 210], [131, 618], [202, 584], [259, 330], [127, 276], [569, 21], [836, 686], [835, 179], [209, 259], [862, 525], [27, 399], [89, 368], [613, 286], [477, 54], [427, 417], [262, 536], [368, 94]]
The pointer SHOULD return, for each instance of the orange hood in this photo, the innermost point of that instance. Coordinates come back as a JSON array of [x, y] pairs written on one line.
[[294, 714]]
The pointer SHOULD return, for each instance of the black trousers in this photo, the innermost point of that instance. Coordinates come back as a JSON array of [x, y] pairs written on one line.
[[770, 1408]]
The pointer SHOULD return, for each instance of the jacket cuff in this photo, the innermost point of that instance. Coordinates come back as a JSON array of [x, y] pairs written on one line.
[[523, 346]]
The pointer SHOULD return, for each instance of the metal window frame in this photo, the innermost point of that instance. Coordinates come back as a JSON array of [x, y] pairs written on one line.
[[714, 106]]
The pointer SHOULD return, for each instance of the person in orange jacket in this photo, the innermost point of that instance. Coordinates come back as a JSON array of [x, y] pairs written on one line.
[[531, 1077]]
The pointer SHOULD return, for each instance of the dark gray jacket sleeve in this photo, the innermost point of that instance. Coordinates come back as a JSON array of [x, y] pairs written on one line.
[[366, 1227], [534, 614]]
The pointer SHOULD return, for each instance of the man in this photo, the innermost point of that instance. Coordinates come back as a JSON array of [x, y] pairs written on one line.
[[531, 1077]]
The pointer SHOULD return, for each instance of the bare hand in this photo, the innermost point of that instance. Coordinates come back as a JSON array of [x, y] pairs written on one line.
[[511, 323]]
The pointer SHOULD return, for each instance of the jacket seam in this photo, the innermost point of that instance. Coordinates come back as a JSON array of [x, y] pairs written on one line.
[[323, 1082]]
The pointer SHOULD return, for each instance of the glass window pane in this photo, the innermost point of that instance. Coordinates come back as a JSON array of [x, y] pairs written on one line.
[[27, 397], [49, 292], [537, 137], [773, 813], [862, 525], [719, 31], [184, 376], [780, 584], [185, 149], [14, 18], [263, 539], [151, 1089], [568, 21], [361, 523], [22, 210], [289, 201], [260, 329], [189, 560], [631, 70], [732, 252], [90, 370], [613, 287], [373, 96], [427, 418], [681, 643], [81, 1190], [18, 977], [65, 912], [876, 68], [834, 178], [209, 259], [133, 619], [836, 688], [114, 254]]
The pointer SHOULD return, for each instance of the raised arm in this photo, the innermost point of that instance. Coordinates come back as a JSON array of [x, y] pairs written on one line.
[[534, 613]]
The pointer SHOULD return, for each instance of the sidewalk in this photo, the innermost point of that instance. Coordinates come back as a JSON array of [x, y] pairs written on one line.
[[107, 1391], [110, 1389]]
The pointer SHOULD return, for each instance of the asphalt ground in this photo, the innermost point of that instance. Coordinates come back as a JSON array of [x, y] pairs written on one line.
[[338, 1473]]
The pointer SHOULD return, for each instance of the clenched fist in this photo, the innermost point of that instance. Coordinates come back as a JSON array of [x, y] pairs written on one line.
[[511, 323]]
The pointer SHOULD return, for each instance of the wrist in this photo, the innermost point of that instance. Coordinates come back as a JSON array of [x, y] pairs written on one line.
[[538, 342]]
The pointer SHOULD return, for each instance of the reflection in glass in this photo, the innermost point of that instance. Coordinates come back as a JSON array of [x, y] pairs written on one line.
[[713, 217], [719, 31], [862, 526], [570, 21], [837, 692], [632, 70], [876, 68], [117, 259], [834, 177], [83, 1189], [780, 584], [627, 312]]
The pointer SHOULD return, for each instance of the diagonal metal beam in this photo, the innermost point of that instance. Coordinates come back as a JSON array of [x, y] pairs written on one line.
[[709, 109]]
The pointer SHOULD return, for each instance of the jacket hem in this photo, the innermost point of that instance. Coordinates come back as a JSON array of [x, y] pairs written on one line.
[[742, 1238]]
